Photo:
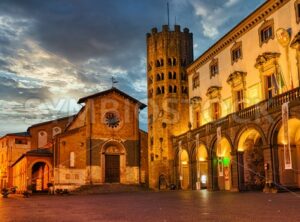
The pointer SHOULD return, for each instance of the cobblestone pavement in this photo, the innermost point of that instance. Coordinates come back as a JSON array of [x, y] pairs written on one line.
[[154, 206]]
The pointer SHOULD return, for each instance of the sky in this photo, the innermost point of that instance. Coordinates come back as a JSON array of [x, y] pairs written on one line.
[[54, 52]]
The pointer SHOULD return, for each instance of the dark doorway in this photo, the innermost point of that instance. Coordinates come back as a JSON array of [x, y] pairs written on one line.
[[112, 168], [40, 177]]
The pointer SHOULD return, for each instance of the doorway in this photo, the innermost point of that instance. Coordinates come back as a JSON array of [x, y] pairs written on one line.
[[112, 168]]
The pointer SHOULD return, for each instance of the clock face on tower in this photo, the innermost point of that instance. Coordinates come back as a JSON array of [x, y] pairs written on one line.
[[112, 120]]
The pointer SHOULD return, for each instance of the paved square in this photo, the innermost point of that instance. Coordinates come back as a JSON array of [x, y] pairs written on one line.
[[154, 206]]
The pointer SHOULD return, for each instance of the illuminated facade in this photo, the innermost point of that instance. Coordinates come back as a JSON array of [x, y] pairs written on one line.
[[238, 89], [12, 146], [102, 143], [168, 54]]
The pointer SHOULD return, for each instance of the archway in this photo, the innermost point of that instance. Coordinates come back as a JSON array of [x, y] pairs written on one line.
[[113, 156], [200, 167], [221, 165], [289, 162], [40, 176], [184, 170], [251, 161]]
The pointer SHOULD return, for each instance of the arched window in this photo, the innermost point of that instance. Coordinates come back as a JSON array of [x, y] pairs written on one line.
[[72, 159], [170, 89], [174, 62], [56, 131], [157, 77], [162, 76], [157, 63], [175, 89], [42, 139], [161, 62], [174, 75], [169, 61], [158, 91], [170, 75], [163, 90]]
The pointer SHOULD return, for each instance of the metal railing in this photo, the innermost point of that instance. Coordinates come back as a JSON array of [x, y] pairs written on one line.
[[251, 112]]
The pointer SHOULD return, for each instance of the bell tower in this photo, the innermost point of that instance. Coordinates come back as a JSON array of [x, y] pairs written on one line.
[[169, 52]]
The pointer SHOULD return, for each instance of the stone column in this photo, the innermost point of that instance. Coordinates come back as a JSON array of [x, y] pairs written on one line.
[[210, 174], [269, 174], [234, 171]]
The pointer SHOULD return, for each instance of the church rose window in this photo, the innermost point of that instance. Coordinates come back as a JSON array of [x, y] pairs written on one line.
[[112, 120]]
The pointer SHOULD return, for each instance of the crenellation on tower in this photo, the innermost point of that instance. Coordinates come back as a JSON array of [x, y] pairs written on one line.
[[168, 54]]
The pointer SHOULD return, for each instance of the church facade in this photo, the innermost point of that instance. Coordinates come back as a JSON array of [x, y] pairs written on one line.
[[102, 143], [242, 132]]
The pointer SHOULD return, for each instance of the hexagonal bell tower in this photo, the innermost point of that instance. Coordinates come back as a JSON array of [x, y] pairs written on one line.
[[169, 52]]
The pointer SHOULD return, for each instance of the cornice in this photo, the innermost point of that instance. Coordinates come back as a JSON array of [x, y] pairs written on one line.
[[256, 17]]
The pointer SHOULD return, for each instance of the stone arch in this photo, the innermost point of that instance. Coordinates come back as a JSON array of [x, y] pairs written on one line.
[[277, 123], [113, 157], [178, 166], [282, 174], [214, 140], [40, 175], [184, 169], [220, 166], [243, 129], [250, 145], [199, 165]]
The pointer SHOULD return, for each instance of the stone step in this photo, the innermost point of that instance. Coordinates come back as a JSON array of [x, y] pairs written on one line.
[[109, 188]]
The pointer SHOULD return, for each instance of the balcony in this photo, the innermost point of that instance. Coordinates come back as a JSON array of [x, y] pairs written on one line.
[[248, 114]]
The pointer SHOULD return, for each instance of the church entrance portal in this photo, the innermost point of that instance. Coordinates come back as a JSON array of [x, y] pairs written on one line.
[[112, 168]]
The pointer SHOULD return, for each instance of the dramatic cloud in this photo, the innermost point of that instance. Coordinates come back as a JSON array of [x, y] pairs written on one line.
[[54, 52]]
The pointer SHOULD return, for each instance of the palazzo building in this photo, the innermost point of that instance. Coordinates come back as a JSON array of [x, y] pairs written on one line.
[[243, 131], [12, 146], [102, 143]]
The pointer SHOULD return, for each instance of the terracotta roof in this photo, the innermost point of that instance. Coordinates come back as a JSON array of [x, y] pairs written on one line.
[[50, 121], [113, 89], [37, 152], [18, 134], [22, 134]]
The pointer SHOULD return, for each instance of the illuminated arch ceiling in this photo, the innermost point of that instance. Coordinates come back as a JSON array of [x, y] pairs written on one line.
[[224, 148], [201, 153], [294, 132], [249, 134]]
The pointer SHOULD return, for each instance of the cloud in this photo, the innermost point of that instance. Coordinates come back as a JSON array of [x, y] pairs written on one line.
[[62, 50], [230, 3]]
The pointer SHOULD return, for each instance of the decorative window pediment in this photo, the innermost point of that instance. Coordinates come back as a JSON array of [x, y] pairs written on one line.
[[236, 78], [196, 80], [236, 52], [214, 68], [195, 101], [265, 58], [266, 32], [214, 92]]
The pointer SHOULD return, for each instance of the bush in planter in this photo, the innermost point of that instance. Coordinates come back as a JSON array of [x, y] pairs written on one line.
[[62, 191], [4, 192], [28, 192], [13, 190]]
